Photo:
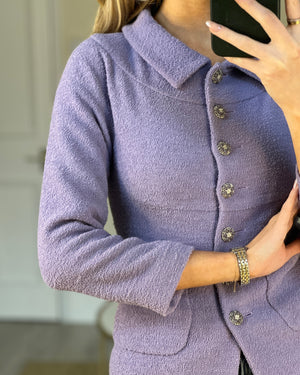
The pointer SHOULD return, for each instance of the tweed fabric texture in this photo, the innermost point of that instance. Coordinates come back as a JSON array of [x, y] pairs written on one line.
[[134, 123]]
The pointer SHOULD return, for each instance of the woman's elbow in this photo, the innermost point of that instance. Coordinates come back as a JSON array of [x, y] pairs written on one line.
[[53, 269]]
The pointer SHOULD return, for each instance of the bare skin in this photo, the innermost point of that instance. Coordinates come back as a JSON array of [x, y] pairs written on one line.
[[267, 252], [186, 21]]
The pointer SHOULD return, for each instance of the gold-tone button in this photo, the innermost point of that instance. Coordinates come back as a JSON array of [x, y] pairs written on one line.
[[217, 76], [224, 148], [236, 317], [227, 234], [227, 190], [219, 111]]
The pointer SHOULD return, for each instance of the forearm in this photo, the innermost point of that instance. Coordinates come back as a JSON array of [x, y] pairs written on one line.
[[208, 267]]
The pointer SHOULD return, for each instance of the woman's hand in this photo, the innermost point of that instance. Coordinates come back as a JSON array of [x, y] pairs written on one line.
[[277, 63], [267, 251]]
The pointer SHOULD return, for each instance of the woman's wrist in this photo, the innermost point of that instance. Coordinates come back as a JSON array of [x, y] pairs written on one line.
[[236, 269], [207, 268]]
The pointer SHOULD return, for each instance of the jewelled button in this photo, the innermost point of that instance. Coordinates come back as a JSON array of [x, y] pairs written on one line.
[[227, 190], [236, 317], [219, 111], [224, 148], [227, 234], [217, 76]]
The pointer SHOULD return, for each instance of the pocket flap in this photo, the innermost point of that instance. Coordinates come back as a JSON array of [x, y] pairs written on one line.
[[143, 330]]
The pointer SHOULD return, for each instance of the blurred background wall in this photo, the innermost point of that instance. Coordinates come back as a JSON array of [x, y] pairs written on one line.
[[75, 19], [37, 37], [42, 330]]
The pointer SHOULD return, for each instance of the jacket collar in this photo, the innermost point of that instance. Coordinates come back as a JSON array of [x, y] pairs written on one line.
[[169, 56]]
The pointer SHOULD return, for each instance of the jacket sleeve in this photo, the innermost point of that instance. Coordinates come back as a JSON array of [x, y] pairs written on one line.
[[75, 253]]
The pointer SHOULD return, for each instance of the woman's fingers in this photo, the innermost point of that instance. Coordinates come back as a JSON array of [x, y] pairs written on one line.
[[292, 8], [268, 21], [292, 200], [282, 221], [289, 209]]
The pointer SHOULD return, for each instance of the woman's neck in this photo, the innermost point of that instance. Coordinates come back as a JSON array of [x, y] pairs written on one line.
[[185, 20]]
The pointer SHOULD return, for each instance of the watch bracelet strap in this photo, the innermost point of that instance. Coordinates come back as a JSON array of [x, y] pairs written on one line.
[[242, 260]]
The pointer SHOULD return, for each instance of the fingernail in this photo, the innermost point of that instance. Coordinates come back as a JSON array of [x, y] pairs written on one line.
[[213, 26], [295, 184]]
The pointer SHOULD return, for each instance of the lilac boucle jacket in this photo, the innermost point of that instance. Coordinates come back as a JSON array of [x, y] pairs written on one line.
[[135, 120]]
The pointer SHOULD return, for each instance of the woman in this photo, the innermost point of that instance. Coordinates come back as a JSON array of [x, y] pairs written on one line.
[[198, 155]]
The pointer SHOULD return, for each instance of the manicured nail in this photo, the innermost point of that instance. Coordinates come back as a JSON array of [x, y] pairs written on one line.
[[295, 184], [213, 26]]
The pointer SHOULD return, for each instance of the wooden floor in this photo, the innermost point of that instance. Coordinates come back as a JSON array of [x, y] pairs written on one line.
[[20, 342]]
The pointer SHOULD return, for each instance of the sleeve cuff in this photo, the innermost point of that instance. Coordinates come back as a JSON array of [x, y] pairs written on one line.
[[174, 296]]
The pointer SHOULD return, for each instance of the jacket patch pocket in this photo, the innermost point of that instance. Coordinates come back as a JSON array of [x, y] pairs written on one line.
[[283, 292], [145, 331]]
